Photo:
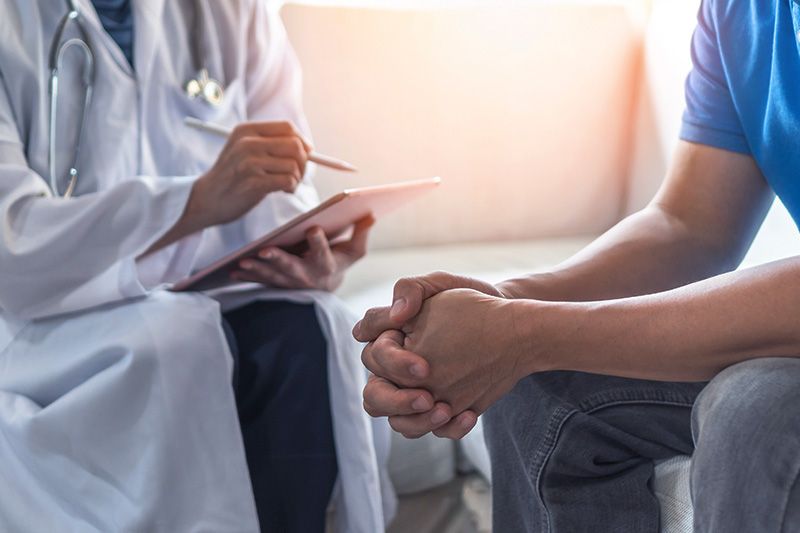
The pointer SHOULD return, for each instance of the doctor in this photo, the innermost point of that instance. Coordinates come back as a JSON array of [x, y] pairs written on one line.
[[116, 406]]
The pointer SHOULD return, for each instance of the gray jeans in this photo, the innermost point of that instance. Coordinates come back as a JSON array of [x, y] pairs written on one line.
[[573, 452]]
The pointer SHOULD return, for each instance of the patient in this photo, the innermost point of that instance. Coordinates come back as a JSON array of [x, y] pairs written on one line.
[[644, 345]]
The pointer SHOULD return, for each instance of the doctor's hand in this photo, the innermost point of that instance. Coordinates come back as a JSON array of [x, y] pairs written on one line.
[[458, 355], [257, 159], [321, 267]]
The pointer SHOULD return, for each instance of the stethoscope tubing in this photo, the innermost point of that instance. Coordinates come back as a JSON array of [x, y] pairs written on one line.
[[202, 87], [57, 50]]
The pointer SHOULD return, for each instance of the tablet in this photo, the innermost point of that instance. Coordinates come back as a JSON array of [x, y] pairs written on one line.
[[335, 216]]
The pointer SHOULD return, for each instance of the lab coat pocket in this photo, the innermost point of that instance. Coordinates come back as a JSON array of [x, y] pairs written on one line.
[[199, 149], [229, 112]]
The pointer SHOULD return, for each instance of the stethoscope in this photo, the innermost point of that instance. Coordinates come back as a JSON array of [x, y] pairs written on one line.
[[202, 87]]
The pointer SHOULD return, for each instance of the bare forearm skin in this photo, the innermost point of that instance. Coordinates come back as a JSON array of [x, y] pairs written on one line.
[[700, 224], [687, 334], [650, 251]]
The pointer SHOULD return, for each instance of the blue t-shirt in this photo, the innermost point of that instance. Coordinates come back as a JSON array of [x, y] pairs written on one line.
[[743, 93], [117, 19]]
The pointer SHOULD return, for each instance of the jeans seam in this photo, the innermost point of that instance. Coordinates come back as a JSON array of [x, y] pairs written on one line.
[[628, 402], [627, 396], [590, 405], [549, 441], [786, 501]]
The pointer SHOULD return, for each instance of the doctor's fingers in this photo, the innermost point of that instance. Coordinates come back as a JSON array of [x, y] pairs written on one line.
[[384, 398], [279, 128], [356, 248], [319, 250], [255, 174], [306, 272], [286, 275], [272, 174], [386, 357], [284, 154]]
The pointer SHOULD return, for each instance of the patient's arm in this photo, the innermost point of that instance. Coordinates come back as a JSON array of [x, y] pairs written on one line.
[[699, 224]]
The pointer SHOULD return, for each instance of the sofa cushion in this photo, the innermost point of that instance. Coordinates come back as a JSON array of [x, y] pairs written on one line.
[[671, 485], [369, 282]]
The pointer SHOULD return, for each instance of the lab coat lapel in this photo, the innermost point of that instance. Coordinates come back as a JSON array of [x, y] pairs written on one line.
[[147, 22]]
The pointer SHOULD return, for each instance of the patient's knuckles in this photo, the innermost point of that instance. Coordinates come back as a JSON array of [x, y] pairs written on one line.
[[366, 357], [385, 344], [454, 433], [368, 409], [387, 351], [373, 411], [403, 424], [408, 286], [375, 322], [448, 432], [442, 278]]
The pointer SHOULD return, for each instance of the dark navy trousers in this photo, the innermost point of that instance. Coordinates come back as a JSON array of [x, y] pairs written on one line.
[[281, 387]]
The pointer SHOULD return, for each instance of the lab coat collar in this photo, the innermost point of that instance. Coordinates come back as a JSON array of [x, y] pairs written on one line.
[[147, 17]]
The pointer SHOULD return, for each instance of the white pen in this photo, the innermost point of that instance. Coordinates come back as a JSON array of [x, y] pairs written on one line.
[[222, 131]]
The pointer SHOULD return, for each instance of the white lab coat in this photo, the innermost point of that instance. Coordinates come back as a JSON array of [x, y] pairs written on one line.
[[116, 411]]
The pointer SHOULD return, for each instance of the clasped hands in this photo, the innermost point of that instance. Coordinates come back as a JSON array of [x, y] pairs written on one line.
[[440, 355]]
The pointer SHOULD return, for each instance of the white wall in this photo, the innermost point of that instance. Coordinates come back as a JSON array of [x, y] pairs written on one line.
[[667, 62]]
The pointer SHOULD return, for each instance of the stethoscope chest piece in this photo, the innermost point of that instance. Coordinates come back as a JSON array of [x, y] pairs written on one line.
[[205, 88]]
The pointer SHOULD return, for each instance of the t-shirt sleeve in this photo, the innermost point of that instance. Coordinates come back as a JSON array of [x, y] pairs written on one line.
[[710, 116]]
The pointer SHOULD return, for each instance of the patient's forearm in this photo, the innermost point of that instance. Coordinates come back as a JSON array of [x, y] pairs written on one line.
[[648, 252], [687, 334], [700, 224]]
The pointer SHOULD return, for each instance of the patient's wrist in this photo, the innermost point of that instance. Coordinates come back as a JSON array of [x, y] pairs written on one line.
[[531, 287], [539, 334]]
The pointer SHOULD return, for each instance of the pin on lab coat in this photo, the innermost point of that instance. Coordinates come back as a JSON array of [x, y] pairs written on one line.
[[116, 411]]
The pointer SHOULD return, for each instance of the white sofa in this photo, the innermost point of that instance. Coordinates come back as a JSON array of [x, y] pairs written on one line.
[[548, 121]]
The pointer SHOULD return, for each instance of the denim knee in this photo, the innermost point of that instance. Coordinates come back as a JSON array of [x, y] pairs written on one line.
[[746, 396], [571, 450], [746, 426]]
